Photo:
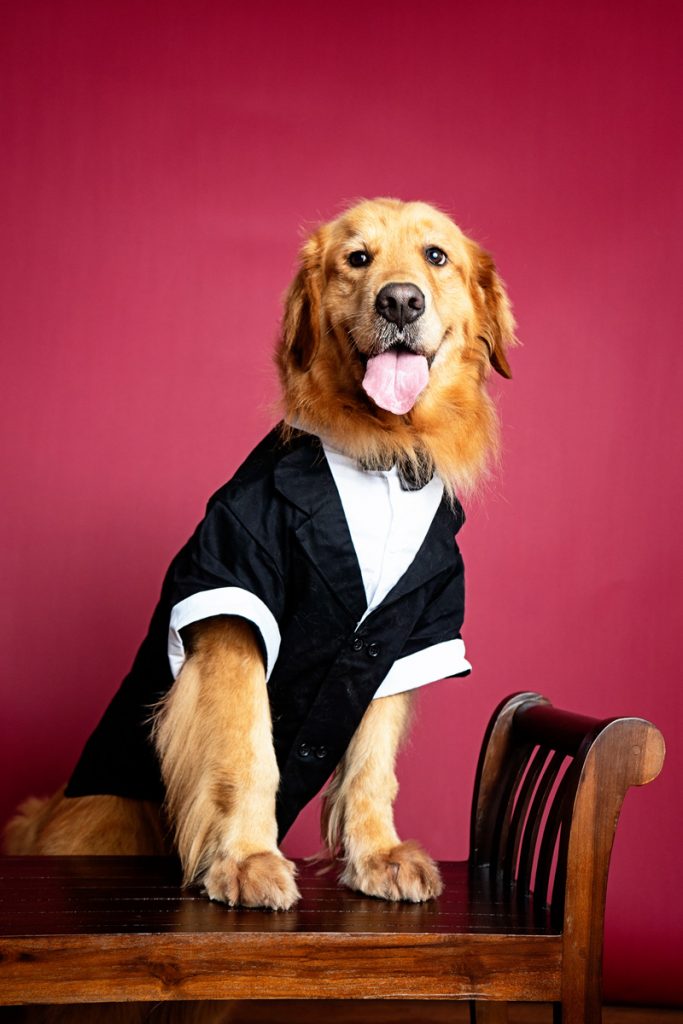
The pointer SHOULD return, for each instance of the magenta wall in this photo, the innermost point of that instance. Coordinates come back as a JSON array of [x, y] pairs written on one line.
[[160, 159]]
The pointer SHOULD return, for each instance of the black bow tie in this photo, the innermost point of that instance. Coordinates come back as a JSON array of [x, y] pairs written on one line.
[[413, 476]]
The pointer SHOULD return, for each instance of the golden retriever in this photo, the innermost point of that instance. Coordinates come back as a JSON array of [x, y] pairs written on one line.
[[391, 327]]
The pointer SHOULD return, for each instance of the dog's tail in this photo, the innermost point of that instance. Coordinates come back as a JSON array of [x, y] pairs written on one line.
[[23, 830]]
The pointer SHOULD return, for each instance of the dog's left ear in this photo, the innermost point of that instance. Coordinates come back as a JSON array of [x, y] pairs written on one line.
[[496, 323], [301, 322]]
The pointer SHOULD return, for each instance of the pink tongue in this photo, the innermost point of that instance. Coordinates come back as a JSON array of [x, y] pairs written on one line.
[[395, 379]]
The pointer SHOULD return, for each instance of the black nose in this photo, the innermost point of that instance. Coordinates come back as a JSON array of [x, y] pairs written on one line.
[[400, 304]]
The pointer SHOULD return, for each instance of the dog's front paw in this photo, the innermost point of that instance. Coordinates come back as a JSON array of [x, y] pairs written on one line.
[[404, 872], [260, 880]]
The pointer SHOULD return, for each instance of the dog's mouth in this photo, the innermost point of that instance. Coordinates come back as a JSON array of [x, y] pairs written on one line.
[[395, 379], [397, 373]]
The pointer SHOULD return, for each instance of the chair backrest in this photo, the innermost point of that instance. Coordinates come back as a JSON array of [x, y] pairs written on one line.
[[548, 793]]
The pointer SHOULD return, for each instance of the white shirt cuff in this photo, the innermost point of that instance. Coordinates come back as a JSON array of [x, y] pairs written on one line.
[[222, 601], [426, 666]]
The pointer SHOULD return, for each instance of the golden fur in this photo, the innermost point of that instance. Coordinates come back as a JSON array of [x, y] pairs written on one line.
[[213, 730]]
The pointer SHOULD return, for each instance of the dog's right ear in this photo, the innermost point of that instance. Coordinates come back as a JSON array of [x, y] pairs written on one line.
[[301, 326], [496, 322]]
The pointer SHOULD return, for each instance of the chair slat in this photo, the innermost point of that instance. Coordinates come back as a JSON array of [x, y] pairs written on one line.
[[496, 750], [560, 807], [519, 815], [533, 823], [509, 782]]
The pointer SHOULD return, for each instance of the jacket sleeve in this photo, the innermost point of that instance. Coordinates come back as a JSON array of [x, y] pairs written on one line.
[[435, 649], [225, 570]]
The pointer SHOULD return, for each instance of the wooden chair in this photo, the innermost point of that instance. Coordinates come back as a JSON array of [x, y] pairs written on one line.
[[522, 920], [548, 793]]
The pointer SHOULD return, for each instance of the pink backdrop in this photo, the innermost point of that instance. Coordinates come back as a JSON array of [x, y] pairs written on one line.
[[160, 160]]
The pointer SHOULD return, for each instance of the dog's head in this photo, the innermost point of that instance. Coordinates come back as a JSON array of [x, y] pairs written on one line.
[[391, 328]]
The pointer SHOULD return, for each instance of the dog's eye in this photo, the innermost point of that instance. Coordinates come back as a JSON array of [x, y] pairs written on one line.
[[360, 258], [436, 256]]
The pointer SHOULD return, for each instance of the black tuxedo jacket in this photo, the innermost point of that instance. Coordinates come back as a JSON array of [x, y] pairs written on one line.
[[277, 531]]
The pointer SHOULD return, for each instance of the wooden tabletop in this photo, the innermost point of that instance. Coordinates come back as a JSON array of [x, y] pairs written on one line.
[[100, 928], [135, 895]]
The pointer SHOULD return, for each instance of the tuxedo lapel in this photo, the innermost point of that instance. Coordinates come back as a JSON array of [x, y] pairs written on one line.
[[304, 478]]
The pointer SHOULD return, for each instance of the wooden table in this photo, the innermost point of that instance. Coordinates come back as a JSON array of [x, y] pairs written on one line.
[[100, 929]]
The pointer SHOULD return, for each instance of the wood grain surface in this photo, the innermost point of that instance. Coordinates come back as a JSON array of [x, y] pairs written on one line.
[[99, 929]]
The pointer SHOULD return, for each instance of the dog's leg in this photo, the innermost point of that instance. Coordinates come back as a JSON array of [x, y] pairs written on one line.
[[358, 811], [213, 735]]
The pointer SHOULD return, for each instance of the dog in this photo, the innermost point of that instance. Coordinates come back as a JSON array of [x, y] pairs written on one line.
[[323, 586]]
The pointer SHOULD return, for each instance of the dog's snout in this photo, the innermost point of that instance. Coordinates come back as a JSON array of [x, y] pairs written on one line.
[[400, 304]]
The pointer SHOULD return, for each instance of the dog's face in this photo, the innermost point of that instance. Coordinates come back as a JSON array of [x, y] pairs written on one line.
[[397, 276], [394, 313]]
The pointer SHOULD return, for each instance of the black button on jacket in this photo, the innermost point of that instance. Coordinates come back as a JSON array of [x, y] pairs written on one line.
[[277, 530]]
